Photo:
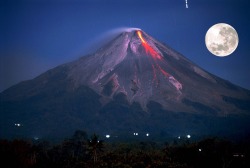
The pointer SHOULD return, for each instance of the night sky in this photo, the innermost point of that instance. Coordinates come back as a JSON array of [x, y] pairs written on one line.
[[37, 35]]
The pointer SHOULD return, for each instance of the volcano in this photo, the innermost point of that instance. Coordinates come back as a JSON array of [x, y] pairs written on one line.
[[134, 83]]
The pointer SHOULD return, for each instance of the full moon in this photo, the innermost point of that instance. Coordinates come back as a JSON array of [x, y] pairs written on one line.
[[221, 39]]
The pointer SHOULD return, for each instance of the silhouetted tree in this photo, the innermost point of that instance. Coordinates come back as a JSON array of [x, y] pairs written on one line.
[[79, 141], [95, 146]]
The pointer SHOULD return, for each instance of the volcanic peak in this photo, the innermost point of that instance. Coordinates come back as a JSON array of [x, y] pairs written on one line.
[[133, 82]]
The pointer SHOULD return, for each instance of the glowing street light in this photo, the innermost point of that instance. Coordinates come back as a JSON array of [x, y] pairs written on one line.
[[17, 124], [188, 136]]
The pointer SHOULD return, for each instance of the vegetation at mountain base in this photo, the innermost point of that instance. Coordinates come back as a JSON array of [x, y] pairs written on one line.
[[79, 151]]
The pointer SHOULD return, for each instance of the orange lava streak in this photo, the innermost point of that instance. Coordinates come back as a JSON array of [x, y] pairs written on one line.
[[140, 36], [164, 72], [147, 47]]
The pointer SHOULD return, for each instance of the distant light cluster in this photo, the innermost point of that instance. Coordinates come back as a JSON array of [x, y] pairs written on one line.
[[188, 136], [18, 125]]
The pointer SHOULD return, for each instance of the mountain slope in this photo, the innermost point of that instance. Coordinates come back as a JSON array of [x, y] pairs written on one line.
[[143, 69], [132, 83]]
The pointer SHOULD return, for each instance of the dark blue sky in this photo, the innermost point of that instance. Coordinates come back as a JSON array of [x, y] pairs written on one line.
[[36, 35]]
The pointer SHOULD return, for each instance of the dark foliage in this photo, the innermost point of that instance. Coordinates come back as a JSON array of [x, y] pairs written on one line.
[[79, 151]]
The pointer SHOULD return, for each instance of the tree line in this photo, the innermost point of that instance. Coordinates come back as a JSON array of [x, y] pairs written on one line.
[[81, 151]]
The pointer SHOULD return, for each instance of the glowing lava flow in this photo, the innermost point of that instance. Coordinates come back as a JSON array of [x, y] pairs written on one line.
[[140, 36], [164, 72], [147, 47], [155, 55]]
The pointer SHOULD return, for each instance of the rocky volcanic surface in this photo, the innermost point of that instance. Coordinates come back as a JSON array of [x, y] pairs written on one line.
[[133, 83]]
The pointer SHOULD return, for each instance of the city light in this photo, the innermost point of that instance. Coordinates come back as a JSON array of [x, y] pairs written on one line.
[[107, 136], [147, 134], [17, 124], [188, 136]]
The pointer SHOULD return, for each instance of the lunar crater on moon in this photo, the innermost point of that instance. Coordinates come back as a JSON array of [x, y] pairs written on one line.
[[221, 39]]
